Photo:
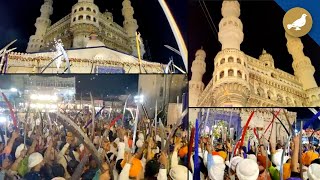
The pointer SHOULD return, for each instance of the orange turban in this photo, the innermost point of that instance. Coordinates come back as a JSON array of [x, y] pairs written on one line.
[[183, 151], [223, 154], [130, 143], [215, 153], [308, 157], [263, 161], [286, 170], [135, 169]]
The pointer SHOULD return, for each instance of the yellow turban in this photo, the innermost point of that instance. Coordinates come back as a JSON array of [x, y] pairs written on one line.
[[308, 157], [223, 154]]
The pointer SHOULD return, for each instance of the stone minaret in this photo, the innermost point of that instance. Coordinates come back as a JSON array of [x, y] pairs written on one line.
[[36, 42], [230, 76], [131, 26], [196, 85], [302, 66], [230, 26], [84, 22], [304, 70]]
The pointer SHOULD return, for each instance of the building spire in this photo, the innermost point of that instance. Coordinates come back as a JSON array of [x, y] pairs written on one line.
[[36, 41], [196, 85], [302, 66], [230, 27], [131, 26], [84, 22]]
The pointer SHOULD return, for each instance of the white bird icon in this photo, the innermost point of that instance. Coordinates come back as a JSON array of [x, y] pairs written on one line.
[[297, 24]]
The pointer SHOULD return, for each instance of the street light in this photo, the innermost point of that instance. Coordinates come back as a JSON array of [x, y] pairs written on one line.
[[14, 90], [139, 99], [3, 119]]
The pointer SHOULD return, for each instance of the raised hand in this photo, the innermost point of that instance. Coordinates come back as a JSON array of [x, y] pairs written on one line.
[[15, 134], [163, 159]]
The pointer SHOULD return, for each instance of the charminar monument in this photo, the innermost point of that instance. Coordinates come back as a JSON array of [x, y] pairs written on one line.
[[240, 80]]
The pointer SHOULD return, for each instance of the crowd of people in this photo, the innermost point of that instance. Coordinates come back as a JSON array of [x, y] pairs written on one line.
[[51, 151], [219, 160], [108, 148]]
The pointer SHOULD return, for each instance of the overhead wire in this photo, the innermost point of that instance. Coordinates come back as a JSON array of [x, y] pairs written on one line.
[[208, 17]]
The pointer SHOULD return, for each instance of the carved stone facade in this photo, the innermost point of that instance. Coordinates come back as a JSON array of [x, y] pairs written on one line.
[[116, 47], [240, 80]]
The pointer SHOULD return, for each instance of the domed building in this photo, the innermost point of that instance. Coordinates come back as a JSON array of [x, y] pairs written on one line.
[[94, 43], [239, 80]]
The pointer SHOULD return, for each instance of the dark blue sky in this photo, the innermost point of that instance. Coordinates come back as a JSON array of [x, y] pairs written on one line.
[[305, 114], [17, 19]]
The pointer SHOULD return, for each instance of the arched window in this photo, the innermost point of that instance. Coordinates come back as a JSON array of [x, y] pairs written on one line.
[[80, 17], [222, 61], [221, 74], [239, 60], [81, 9], [239, 74], [75, 10], [230, 59], [270, 94], [94, 11], [74, 19], [245, 77], [94, 19], [88, 18], [230, 72], [88, 9], [215, 78], [260, 92]]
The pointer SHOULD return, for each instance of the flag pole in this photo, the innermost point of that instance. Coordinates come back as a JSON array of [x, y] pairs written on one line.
[[138, 49]]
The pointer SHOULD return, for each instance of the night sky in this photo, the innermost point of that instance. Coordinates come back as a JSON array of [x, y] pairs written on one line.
[[111, 85], [18, 17], [107, 84], [262, 22], [305, 114]]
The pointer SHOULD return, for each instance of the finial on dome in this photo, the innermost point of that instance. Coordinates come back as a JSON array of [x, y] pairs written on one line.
[[264, 51]]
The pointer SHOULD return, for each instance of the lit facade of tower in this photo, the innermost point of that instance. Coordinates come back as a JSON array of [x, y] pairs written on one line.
[[36, 41], [230, 77], [242, 80], [303, 69], [131, 26], [196, 85], [84, 22]]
